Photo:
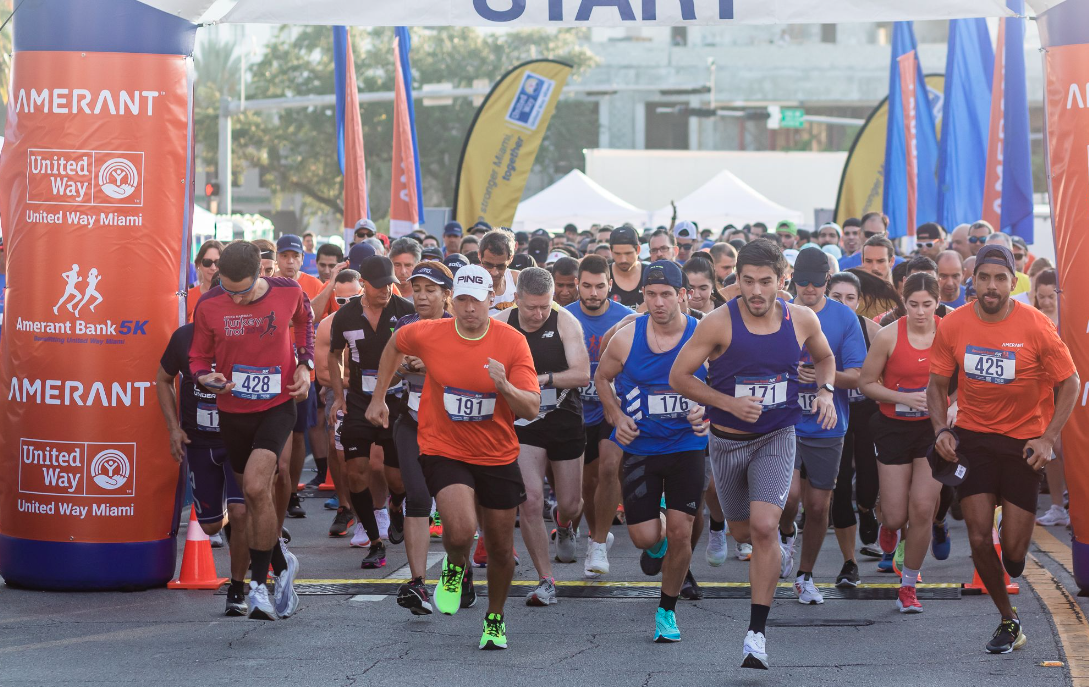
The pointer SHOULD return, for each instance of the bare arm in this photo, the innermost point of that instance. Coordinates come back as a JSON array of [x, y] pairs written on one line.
[[628, 319], [525, 404], [874, 367], [168, 404], [609, 367], [824, 363], [937, 402], [1038, 452], [577, 373]]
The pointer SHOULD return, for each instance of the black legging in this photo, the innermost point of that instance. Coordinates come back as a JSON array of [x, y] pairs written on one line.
[[417, 499], [857, 468]]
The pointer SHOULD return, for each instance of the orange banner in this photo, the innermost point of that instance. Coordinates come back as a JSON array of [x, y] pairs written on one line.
[[992, 185], [94, 179], [907, 65], [1067, 76]]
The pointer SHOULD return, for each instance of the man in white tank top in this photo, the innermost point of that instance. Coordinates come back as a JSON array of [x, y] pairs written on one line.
[[496, 252]]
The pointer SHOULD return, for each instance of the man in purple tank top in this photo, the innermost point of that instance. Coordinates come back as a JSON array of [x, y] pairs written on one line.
[[752, 347]]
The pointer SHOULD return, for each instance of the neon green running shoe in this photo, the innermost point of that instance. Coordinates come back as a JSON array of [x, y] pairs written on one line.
[[495, 632], [448, 590], [898, 558]]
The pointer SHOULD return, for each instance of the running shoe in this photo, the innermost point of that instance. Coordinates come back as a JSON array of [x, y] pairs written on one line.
[[342, 522], [448, 590], [216, 540], [690, 589], [543, 595], [332, 503], [294, 507], [285, 598], [885, 564], [495, 632], [755, 651], [260, 606], [907, 601], [898, 559], [236, 602], [566, 539], [848, 575], [888, 539], [316, 482], [1007, 637], [621, 517], [285, 535], [376, 556], [717, 548], [807, 591], [480, 554], [786, 553], [650, 561], [742, 551], [415, 597], [597, 557], [870, 551], [939, 542], [360, 540], [1055, 516], [665, 627], [382, 516], [867, 526], [435, 530], [468, 590], [396, 526]]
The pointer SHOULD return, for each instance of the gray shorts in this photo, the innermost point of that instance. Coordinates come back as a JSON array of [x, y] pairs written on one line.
[[820, 456], [758, 469]]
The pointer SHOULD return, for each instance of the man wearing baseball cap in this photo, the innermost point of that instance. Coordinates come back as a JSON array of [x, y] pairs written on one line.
[[626, 271], [930, 240], [788, 232], [829, 234], [451, 238], [364, 229], [1017, 386], [686, 234], [480, 379]]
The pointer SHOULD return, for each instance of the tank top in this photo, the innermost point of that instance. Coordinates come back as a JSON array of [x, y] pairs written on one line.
[[854, 395], [633, 299], [659, 412], [907, 370], [546, 347], [508, 294], [761, 365]]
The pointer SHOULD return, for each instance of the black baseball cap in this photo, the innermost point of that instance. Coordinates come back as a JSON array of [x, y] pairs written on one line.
[[432, 275], [995, 254], [811, 266], [431, 254], [624, 236], [521, 237], [455, 261], [951, 474], [664, 272], [452, 229], [377, 270], [931, 231], [522, 261], [541, 232], [358, 253]]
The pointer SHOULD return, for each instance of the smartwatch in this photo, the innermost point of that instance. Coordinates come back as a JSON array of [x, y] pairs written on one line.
[[829, 388]]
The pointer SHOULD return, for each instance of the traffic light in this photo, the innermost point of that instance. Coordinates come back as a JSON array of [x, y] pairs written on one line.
[[211, 189]]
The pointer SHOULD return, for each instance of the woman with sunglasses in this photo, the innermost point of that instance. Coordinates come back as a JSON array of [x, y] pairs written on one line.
[[207, 264], [896, 374], [432, 288]]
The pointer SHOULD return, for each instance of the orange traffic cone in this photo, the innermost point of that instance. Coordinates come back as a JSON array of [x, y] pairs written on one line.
[[198, 569], [976, 586]]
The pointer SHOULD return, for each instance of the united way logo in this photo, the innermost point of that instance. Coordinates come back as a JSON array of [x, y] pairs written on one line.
[[110, 469], [118, 178]]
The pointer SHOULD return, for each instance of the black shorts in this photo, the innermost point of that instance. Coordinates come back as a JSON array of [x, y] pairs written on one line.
[[997, 466], [357, 435], [679, 475], [307, 412], [559, 433], [594, 435], [497, 487], [899, 442], [269, 429]]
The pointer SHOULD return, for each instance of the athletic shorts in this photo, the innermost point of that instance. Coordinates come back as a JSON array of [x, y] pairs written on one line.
[[307, 415], [497, 487], [997, 466], [752, 468], [645, 478], [594, 435], [213, 482], [899, 442], [269, 429], [819, 456], [560, 433], [357, 435]]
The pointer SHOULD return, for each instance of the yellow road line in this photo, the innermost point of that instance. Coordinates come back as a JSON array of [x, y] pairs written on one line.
[[1069, 619], [580, 583]]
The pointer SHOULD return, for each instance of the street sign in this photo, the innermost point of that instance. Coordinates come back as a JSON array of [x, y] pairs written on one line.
[[791, 117]]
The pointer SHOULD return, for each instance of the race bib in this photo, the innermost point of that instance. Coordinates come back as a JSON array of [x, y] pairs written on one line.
[[255, 383], [806, 400], [207, 417], [548, 400], [589, 392], [666, 404], [771, 391], [906, 410], [415, 392], [368, 380], [468, 406], [990, 365], [855, 396]]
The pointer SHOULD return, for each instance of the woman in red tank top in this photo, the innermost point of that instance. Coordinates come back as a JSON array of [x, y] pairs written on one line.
[[895, 375]]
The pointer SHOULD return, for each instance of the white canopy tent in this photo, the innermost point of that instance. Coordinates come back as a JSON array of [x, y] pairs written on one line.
[[723, 200], [575, 199]]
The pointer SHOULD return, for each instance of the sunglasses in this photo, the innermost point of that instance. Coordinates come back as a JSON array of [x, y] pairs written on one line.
[[869, 234], [497, 266], [208, 262], [243, 291], [926, 244], [341, 300], [811, 282], [977, 239], [1018, 256]]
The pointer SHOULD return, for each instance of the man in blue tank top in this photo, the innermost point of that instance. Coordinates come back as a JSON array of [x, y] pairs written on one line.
[[600, 477], [752, 347], [662, 434]]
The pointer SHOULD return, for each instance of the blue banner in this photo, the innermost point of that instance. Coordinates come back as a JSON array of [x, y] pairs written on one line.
[[340, 72], [1017, 218]]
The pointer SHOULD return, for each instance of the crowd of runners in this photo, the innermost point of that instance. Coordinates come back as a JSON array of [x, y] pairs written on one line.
[[772, 382]]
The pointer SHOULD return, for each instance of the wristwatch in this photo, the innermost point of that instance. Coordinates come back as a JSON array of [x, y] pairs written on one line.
[[309, 364], [829, 388]]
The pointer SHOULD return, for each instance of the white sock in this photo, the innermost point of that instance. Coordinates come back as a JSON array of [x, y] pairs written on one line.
[[909, 577]]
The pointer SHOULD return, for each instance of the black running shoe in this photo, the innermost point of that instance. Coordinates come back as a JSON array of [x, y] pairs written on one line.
[[652, 565], [867, 527], [691, 589], [236, 602], [342, 522], [848, 575], [396, 533], [376, 556], [415, 597], [1007, 637], [285, 535], [316, 482], [294, 508], [468, 591]]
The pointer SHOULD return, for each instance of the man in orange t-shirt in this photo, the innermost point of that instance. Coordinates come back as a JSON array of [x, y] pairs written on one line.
[[480, 378], [1017, 386]]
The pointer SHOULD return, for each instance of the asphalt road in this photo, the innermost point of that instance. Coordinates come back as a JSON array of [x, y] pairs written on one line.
[[162, 637]]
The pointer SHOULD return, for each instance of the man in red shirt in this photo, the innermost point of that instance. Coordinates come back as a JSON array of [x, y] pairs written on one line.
[[242, 329], [480, 378]]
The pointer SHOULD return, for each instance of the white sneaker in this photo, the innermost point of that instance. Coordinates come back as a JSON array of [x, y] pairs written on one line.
[[743, 551], [382, 516], [755, 651], [260, 606], [807, 591], [566, 539], [1055, 516], [597, 559], [217, 539], [716, 548], [283, 593], [786, 549], [360, 540]]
